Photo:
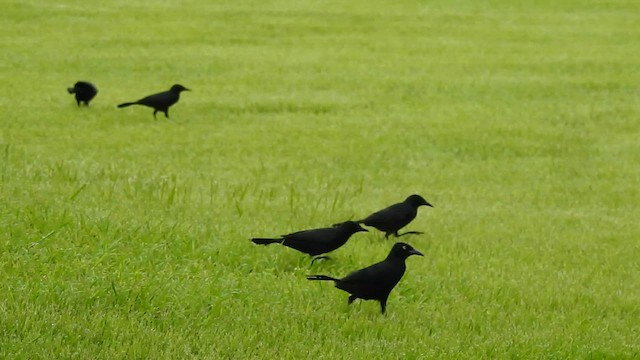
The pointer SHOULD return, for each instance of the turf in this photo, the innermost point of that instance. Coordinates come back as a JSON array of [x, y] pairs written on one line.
[[122, 237]]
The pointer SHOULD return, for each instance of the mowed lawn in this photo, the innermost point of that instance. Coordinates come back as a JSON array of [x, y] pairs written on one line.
[[122, 237]]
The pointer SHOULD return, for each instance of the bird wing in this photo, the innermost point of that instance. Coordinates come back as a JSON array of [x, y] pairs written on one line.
[[312, 235], [394, 214], [85, 86], [375, 281], [161, 100], [313, 241]]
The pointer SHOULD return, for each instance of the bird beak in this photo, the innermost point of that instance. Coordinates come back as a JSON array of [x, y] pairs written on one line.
[[187, 89], [363, 230], [426, 203], [416, 252]]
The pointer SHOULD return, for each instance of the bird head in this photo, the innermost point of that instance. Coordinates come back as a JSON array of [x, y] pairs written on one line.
[[403, 250], [416, 200], [178, 88]]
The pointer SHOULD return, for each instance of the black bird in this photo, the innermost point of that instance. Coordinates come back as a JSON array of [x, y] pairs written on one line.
[[315, 242], [161, 101], [396, 216], [84, 90], [376, 281]]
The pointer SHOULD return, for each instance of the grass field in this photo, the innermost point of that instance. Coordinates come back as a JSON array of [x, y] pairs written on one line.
[[122, 237]]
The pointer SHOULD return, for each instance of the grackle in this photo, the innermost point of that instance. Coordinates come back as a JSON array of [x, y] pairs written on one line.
[[84, 91], [315, 242], [396, 216], [376, 281], [161, 101]]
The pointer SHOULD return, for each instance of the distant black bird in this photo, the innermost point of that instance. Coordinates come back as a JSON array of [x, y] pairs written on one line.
[[161, 101], [315, 241], [84, 90], [396, 216], [376, 281]]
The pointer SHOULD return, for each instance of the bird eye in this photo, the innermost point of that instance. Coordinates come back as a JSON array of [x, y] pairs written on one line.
[[404, 247]]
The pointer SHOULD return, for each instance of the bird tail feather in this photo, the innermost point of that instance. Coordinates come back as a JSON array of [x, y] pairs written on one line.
[[71, 90], [126, 104], [265, 241], [321, 277]]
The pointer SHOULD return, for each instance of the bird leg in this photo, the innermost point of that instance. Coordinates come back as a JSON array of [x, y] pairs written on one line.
[[154, 114], [352, 298], [166, 113], [383, 305], [319, 257]]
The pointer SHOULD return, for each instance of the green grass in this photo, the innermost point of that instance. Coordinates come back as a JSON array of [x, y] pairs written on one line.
[[122, 237]]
